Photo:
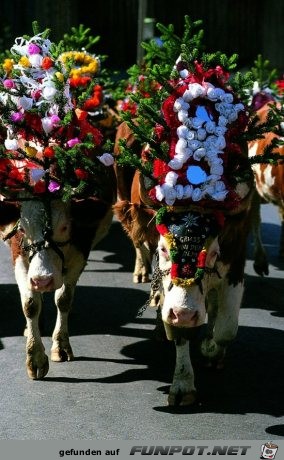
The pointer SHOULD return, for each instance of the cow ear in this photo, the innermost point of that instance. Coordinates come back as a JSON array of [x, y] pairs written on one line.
[[9, 212], [213, 252]]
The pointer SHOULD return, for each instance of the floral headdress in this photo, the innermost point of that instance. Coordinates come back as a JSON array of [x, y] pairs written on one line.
[[47, 98], [194, 130]]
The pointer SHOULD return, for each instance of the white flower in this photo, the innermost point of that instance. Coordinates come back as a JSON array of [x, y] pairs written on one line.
[[184, 155], [107, 159], [169, 194], [11, 144], [182, 131], [219, 196], [187, 191], [194, 90], [171, 178], [36, 174], [220, 142], [196, 194], [181, 145], [223, 121], [212, 94], [197, 122], [199, 153], [25, 103], [210, 127], [48, 93], [227, 97], [182, 115], [194, 144], [35, 60], [180, 104], [159, 193], [201, 134], [184, 73], [175, 163], [179, 191], [47, 124], [216, 169]]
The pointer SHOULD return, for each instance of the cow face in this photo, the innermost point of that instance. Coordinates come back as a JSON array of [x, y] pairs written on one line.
[[187, 252], [46, 236]]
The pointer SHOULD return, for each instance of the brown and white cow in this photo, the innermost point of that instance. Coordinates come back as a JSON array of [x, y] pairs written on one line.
[[134, 212], [50, 245], [269, 182], [215, 300]]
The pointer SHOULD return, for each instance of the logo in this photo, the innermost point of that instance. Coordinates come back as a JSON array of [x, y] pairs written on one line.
[[268, 450]]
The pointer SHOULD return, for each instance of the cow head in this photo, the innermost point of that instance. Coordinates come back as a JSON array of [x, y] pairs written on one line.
[[187, 252], [46, 233]]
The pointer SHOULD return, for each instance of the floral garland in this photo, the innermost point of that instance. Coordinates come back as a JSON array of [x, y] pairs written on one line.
[[51, 145], [202, 120]]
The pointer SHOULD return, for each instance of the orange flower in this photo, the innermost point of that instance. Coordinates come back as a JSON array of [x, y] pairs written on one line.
[[46, 63]]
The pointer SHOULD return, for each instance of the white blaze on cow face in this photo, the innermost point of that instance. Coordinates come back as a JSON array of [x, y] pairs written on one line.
[[184, 306], [46, 265]]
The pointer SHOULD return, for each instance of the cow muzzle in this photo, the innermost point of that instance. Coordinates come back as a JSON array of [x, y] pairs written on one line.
[[42, 284]]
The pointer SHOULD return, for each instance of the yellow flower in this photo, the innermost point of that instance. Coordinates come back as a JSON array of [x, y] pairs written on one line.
[[84, 63], [8, 65], [59, 76], [31, 151], [24, 62]]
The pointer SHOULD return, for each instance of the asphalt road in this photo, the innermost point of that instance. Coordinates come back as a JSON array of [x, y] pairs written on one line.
[[116, 389]]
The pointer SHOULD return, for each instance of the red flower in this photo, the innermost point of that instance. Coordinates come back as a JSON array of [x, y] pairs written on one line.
[[81, 174], [201, 259], [46, 63], [280, 86], [49, 152], [79, 81]]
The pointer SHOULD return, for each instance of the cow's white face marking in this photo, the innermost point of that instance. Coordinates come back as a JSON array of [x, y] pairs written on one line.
[[45, 268], [182, 307]]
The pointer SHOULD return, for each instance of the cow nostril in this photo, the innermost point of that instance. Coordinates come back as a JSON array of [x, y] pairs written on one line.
[[42, 281], [172, 314]]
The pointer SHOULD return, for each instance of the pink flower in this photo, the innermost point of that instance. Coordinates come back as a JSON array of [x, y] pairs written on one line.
[[54, 119], [73, 142], [53, 186], [16, 117], [33, 49], [8, 83]]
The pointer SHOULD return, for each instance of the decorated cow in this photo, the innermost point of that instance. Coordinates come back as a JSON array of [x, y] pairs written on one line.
[[56, 180], [269, 182], [195, 181]]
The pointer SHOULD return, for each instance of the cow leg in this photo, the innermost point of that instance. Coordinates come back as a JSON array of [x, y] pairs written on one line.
[[182, 390], [260, 257], [143, 262], [36, 359], [61, 349], [223, 319], [281, 247]]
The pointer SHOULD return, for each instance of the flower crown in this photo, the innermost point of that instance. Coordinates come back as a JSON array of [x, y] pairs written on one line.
[[50, 143]]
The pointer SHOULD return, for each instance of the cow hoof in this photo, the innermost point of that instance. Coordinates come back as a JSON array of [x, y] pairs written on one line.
[[60, 355], [186, 399], [261, 269], [37, 372], [140, 278]]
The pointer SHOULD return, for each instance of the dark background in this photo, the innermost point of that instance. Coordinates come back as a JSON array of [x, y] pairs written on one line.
[[245, 27]]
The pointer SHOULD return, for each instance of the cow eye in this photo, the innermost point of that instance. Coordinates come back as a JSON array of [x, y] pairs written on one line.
[[164, 251]]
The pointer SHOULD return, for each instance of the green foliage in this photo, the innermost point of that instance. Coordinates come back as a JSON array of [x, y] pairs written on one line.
[[264, 74]]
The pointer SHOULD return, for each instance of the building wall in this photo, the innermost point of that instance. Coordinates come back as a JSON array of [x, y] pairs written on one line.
[[245, 27]]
